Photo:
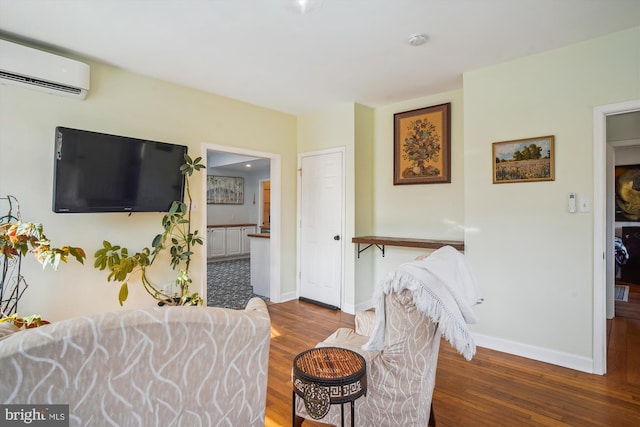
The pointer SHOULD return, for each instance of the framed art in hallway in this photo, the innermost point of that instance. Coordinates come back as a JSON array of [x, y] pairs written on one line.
[[422, 146], [627, 192], [524, 160], [225, 190]]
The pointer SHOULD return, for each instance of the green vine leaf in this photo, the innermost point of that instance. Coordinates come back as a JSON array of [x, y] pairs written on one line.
[[124, 293]]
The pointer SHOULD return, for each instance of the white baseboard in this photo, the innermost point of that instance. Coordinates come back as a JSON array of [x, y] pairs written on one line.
[[542, 354], [353, 309], [364, 305], [288, 296], [348, 308]]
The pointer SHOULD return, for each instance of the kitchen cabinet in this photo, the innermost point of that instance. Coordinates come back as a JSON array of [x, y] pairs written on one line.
[[229, 240], [216, 242], [234, 241]]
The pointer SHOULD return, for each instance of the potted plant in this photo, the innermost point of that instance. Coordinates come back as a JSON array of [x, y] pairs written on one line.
[[17, 238], [177, 237]]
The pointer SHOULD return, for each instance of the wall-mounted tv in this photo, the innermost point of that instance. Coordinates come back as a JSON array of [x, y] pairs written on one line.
[[97, 172]]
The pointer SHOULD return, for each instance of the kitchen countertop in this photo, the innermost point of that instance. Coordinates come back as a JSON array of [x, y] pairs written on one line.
[[260, 235], [230, 225]]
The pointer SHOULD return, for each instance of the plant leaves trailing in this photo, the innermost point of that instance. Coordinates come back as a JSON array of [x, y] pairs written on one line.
[[17, 238], [177, 237]]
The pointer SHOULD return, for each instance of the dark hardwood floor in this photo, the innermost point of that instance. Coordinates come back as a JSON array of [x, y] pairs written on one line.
[[631, 308], [494, 389]]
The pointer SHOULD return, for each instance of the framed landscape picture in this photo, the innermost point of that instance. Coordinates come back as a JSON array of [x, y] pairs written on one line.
[[225, 190], [524, 160], [422, 146]]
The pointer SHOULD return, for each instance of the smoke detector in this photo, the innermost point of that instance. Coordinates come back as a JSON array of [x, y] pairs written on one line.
[[417, 39]]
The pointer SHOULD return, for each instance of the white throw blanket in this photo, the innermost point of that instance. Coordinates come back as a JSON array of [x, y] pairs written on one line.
[[444, 289]]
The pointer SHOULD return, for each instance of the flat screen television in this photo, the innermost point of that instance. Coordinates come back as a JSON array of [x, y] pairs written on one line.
[[97, 172]]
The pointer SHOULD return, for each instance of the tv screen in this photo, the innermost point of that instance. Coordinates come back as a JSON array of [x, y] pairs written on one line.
[[96, 172]]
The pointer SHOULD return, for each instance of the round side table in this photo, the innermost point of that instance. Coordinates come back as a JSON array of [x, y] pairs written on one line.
[[324, 376]]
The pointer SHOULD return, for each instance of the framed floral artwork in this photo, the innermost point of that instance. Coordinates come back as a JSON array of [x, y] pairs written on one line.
[[422, 146]]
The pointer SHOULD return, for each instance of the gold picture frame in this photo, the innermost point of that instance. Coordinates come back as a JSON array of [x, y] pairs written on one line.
[[422, 146], [524, 160]]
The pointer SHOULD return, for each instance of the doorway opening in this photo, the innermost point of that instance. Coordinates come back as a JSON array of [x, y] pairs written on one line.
[[623, 136], [603, 230], [230, 226], [264, 219]]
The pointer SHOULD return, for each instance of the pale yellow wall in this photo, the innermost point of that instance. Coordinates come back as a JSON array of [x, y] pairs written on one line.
[[123, 103], [428, 211], [364, 173], [364, 193], [533, 258], [329, 128]]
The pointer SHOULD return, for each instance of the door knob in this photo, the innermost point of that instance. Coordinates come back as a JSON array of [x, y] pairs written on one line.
[[336, 237]]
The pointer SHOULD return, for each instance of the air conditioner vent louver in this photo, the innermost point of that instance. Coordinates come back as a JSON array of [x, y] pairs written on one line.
[[41, 83]]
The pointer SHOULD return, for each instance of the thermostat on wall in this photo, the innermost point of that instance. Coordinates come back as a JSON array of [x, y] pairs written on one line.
[[572, 202]]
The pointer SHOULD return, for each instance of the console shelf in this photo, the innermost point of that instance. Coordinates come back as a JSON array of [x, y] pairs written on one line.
[[380, 243]]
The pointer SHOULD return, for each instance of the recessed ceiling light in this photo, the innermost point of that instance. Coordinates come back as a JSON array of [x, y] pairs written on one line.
[[417, 39], [306, 6], [248, 165]]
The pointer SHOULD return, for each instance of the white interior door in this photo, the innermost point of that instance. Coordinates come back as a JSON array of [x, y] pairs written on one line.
[[321, 227]]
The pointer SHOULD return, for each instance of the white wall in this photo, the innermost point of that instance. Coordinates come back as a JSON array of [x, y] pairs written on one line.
[[123, 103], [534, 260], [246, 213]]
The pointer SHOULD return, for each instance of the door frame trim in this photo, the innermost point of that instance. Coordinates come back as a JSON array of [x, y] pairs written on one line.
[[343, 228], [600, 113]]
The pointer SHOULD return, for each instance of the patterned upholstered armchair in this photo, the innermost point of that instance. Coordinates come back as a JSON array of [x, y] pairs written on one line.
[[401, 377], [167, 366], [415, 305]]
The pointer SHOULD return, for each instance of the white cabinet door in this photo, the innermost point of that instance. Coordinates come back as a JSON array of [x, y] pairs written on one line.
[[246, 241], [217, 242], [234, 240], [209, 242]]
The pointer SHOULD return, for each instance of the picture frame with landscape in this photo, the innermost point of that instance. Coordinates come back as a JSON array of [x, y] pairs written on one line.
[[524, 160]]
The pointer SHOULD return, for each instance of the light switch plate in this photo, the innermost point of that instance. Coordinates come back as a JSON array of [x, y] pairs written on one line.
[[584, 204]]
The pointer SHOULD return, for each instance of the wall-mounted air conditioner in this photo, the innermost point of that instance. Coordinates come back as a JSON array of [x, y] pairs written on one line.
[[35, 69]]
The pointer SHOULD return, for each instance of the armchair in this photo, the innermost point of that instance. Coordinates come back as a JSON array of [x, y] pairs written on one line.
[[401, 377], [400, 341]]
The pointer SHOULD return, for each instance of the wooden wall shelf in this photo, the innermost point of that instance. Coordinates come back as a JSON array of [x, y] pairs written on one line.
[[380, 243]]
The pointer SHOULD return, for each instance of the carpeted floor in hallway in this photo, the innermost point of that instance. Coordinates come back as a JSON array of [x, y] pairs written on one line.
[[229, 284]]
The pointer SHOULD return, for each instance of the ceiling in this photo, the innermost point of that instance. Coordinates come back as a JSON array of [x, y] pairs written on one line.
[[624, 128], [237, 163], [268, 53]]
